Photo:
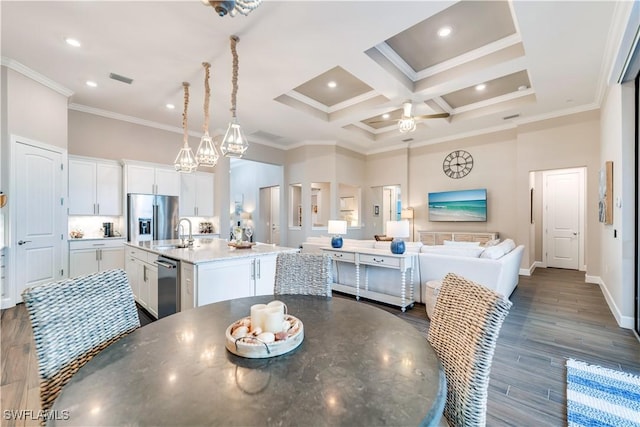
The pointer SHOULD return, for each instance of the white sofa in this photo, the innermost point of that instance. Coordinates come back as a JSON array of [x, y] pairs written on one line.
[[434, 262]]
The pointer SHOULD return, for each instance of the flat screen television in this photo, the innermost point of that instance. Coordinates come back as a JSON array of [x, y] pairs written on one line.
[[461, 205]]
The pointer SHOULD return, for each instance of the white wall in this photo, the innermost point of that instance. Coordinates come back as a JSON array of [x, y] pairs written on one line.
[[617, 240]]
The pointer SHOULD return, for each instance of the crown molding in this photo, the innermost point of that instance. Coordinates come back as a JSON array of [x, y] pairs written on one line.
[[35, 76]]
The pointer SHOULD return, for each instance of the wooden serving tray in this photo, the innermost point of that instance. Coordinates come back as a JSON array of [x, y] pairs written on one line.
[[254, 349], [243, 245]]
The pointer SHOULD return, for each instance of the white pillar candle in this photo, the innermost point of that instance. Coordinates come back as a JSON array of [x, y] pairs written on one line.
[[273, 319], [278, 304], [257, 316]]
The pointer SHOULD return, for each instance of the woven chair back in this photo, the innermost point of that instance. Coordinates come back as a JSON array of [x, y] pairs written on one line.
[[73, 320], [463, 332], [303, 274]]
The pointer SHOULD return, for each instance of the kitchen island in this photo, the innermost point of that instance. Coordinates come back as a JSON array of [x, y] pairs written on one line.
[[210, 271]]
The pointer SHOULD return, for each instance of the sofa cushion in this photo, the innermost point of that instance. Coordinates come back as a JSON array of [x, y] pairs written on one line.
[[355, 243], [465, 251], [319, 239], [454, 243], [499, 250]]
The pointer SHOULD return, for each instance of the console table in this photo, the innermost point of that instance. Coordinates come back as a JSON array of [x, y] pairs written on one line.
[[377, 258]]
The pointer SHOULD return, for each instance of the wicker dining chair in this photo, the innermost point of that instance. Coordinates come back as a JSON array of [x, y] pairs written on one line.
[[303, 274], [73, 320], [463, 332]]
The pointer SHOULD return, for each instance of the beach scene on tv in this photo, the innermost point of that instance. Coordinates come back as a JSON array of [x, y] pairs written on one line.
[[465, 205]]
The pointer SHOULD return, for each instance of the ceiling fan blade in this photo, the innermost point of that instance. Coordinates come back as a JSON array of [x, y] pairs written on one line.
[[433, 116], [382, 121]]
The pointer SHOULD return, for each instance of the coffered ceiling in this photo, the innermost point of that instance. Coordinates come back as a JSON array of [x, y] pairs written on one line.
[[534, 59]]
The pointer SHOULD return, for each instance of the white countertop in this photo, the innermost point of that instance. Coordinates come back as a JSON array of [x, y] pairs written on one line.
[[206, 250]]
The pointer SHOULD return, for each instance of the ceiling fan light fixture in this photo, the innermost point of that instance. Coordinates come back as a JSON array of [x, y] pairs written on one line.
[[406, 124]]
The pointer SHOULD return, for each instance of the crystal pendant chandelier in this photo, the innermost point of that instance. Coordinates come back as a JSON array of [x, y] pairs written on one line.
[[233, 7], [185, 161], [234, 143], [207, 154]]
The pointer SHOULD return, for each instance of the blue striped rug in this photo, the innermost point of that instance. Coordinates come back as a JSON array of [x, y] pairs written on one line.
[[597, 396]]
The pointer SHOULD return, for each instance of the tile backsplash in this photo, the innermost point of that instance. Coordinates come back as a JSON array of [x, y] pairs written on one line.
[[92, 225]]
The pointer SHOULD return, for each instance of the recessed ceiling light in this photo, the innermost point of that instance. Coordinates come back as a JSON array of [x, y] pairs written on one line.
[[385, 116], [481, 86], [332, 84], [522, 87], [92, 84], [444, 31], [170, 106], [72, 42]]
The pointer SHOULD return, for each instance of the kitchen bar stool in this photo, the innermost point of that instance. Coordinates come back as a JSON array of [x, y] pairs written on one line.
[[73, 320]]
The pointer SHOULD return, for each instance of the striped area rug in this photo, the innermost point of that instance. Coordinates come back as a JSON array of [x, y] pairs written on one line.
[[597, 396]]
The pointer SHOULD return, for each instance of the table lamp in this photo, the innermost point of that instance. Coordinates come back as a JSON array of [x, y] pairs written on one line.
[[397, 230], [337, 227]]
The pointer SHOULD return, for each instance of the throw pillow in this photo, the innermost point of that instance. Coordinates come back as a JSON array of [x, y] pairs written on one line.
[[492, 252], [491, 243], [507, 246], [456, 243]]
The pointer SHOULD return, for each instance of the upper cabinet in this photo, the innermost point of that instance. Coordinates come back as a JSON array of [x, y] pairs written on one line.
[[95, 187], [152, 179], [196, 194]]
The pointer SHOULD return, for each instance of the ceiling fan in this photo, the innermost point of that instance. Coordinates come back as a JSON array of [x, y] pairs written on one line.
[[407, 122]]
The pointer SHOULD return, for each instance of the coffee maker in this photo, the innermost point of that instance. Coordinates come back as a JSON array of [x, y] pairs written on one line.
[[107, 227]]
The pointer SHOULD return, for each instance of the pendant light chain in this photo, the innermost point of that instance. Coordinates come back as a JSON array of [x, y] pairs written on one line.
[[185, 85], [207, 96], [234, 77]]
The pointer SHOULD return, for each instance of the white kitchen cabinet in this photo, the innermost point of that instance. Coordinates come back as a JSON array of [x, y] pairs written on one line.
[[152, 179], [143, 277], [235, 278], [196, 194], [95, 187], [92, 256], [187, 286], [265, 273]]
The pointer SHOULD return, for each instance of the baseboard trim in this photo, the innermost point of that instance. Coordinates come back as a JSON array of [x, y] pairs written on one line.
[[529, 271], [625, 322]]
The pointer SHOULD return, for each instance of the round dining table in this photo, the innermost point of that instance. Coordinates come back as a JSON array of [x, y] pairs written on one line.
[[357, 365]]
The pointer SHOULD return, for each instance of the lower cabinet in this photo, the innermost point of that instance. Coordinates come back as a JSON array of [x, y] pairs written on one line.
[[236, 278], [187, 286], [142, 273], [92, 256]]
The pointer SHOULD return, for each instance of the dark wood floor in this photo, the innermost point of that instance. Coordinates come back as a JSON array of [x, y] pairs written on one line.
[[555, 316]]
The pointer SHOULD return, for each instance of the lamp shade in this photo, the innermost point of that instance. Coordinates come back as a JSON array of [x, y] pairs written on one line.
[[398, 229], [337, 227], [406, 213]]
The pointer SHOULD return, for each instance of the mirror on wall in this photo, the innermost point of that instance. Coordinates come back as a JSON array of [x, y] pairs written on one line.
[[349, 204], [295, 205], [320, 204], [386, 206]]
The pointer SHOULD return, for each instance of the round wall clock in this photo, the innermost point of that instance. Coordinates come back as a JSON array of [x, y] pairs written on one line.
[[457, 164]]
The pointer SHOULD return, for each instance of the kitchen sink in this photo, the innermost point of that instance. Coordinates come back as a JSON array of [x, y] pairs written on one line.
[[167, 247]]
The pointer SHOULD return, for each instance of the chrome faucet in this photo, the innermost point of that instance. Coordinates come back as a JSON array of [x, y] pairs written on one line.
[[190, 239]]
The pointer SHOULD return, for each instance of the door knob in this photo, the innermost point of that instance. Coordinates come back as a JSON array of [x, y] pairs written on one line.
[[22, 242], [575, 234]]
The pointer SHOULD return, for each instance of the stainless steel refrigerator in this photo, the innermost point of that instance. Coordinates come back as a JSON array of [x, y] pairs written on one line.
[[151, 217]]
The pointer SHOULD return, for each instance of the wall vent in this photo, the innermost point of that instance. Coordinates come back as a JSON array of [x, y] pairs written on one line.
[[120, 78], [511, 117]]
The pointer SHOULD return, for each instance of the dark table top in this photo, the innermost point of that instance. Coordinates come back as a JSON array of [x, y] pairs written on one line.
[[357, 365]]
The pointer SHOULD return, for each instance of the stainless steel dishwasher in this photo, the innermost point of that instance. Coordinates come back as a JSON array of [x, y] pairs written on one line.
[[168, 286]]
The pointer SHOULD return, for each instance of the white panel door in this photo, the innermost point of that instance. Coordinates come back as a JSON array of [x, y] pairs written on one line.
[[83, 262], [563, 201], [41, 217], [265, 273], [111, 258], [275, 215]]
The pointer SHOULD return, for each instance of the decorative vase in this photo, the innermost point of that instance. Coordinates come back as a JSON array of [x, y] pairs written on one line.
[[336, 242]]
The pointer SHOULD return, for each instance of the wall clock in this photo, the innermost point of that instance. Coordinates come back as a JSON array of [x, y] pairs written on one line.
[[457, 164]]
